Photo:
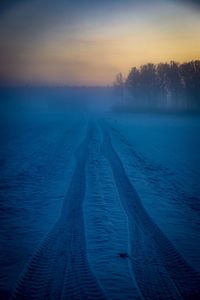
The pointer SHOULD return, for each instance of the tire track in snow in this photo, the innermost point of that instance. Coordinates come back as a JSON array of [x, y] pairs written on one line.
[[59, 269], [48, 181], [107, 227], [160, 271]]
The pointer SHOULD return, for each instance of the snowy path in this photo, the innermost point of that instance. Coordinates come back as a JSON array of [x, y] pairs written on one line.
[[102, 215], [59, 269]]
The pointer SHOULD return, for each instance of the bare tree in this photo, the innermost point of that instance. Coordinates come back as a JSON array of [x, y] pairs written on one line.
[[119, 86], [165, 84]]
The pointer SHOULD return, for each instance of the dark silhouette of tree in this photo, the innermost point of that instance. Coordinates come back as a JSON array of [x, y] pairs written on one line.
[[119, 86], [149, 84], [133, 84], [162, 70], [166, 84], [190, 74]]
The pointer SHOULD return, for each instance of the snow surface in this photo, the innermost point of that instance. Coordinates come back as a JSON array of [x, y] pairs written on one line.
[[99, 207], [36, 165], [163, 160]]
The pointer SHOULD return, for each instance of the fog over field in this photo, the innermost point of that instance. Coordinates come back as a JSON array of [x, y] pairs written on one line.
[[97, 204], [99, 150]]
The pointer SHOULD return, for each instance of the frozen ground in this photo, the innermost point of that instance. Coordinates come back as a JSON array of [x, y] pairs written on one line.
[[103, 207], [163, 159]]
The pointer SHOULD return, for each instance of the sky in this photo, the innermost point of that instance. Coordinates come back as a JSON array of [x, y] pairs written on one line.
[[87, 42]]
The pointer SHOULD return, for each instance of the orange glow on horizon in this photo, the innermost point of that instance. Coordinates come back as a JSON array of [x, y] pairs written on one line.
[[93, 50]]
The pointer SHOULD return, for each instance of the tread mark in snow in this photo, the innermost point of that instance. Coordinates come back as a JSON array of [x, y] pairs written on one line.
[[160, 271], [59, 269]]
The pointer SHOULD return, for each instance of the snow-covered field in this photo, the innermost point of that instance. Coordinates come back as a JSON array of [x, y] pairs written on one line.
[[99, 207], [163, 158]]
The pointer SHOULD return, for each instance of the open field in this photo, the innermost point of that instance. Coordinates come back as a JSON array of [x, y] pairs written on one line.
[[100, 206]]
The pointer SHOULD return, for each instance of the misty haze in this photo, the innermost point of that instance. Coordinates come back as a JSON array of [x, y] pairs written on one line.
[[100, 150]]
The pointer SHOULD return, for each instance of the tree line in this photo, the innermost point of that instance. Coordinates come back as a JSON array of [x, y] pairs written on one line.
[[162, 85]]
